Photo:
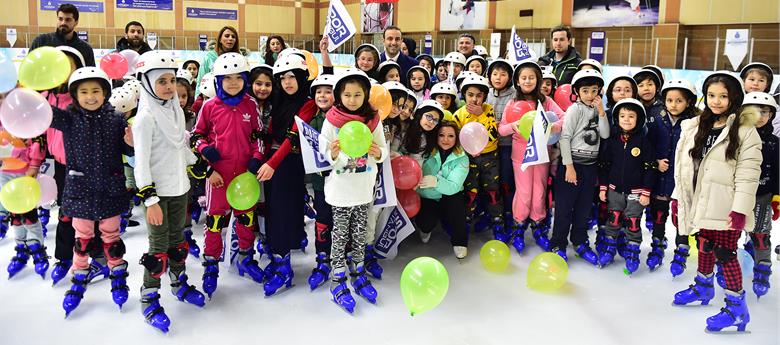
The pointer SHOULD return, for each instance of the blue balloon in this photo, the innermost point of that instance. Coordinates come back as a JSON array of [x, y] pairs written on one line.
[[554, 137], [8, 75]]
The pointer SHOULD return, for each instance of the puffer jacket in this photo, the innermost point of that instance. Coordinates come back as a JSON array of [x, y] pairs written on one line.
[[722, 186], [450, 174]]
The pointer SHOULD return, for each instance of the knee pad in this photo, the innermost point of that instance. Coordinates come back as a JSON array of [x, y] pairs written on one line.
[[660, 217], [705, 245], [115, 250], [321, 231], [614, 217], [724, 254], [632, 224], [30, 217], [760, 241], [246, 219], [84, 246], [215, 223], [179, 253], [157, 264], [15, 219], [64, 218], [471, 197]]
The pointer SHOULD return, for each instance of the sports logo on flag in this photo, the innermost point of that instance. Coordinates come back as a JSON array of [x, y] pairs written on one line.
[[339, 26], [536, 148], [313, 160], [520, 50]]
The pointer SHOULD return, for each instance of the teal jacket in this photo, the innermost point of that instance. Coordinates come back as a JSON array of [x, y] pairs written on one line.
[[449, 176], [205, 67]]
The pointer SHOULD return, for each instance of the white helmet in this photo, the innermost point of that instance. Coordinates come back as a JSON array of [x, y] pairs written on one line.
[[75, 53], [481, 60], [548, 75], [681, 84], [394, 85], [658, 71], [462, 76], [133, 85], [290, 62], [633, 104], [86, 73], [444, 89], [207, 85], [497, 62], [230, 63], [481, 50], [760, 98], [520, 65], [352, 73], [290, 51], [653, 75], [388, 64], [322, 80], [585, 74], [123, 100], [475, 80], [262, 66], [410, 96], [455, 57], [184, 74], [154, 59], [726, 74], [428, 105], [743, 73], [590, 62]]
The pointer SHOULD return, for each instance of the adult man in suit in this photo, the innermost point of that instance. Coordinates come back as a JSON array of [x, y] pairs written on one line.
[[392, 42]]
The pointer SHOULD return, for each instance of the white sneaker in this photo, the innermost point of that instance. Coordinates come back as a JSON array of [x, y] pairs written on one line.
[[425, 236], [460, 252]]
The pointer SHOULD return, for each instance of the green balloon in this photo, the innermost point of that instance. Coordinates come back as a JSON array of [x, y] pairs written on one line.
[[243, 192], [44, 68], [355, 139], [526, 124], [424, 283], [494, 256], [21, 195]]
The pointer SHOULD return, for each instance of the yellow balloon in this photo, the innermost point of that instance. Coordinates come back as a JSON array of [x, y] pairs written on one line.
[[44, 68], [494, 256], [21, 195], [547, 272]]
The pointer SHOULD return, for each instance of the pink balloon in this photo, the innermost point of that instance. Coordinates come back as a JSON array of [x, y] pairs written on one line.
[[131, 56], [48, 190], [406, 172], [473, 137], [563, 96], [115, 65], [25, 113]]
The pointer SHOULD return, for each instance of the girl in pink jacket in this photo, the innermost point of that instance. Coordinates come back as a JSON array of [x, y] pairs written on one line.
[[531, 183]]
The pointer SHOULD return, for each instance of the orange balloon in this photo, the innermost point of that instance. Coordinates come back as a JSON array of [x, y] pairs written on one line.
[[13, 164], [311, 62], [381, 100], [7, 138]]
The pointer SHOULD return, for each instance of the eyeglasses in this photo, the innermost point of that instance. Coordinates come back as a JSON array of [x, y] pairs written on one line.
[[431, 118]]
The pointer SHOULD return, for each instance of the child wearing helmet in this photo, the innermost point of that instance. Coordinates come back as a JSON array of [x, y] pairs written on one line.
[[477, 64], [367, 60], [768, 193], [548, 83], [227, 134], [586, 124], [349, 188], [626, 177], [284, 173], [125, 101], [162, 157], [679, 104], [206, 89], [483, 167], [419, 81], [446, 94], [757, 77], [648, 86], [389, 71], [95, 137], [427, 62]]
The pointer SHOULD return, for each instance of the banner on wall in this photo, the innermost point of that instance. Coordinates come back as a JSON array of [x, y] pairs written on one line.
[[10, 35], [736, 46], [162, 5], [428, 48], [203, 40], [83, 6], [601, 13], [597, 39], [338, 26], [151, 39], [463, 15], [376, 15], [211, 13], [84, 36]]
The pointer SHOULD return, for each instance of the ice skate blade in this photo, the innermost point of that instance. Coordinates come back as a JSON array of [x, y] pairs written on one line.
[[728, 332], [280, 291], [690, 305]]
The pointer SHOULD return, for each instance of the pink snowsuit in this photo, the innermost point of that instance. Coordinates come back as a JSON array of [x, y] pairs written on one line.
[[531, 184], [55, 143], [230, 130]]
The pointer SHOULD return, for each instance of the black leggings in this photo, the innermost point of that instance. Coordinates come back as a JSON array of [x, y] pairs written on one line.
[[451, 210]]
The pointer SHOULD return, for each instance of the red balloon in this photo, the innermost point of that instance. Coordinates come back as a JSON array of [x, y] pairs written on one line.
[[563, 96], [115, 65], [409, 201], [406, 172], [517, 109]]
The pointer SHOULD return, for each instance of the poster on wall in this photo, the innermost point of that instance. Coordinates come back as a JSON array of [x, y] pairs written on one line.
[[600, 13], [376, 15], [463, 15], [83, 6], [160, 5]]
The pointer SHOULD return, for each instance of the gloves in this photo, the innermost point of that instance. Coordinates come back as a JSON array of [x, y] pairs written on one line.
[[775, 204], [674, 212], [198, 170], [428, 181], [254, 165], [211, 154], [737, 220]]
